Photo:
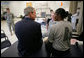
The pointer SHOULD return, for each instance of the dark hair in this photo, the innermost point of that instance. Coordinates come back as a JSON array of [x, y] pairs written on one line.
[[69, 17], [51, 10], [7, 9], [62, 12]]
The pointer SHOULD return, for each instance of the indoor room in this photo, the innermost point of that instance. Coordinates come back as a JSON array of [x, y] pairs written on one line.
[[41, 28]]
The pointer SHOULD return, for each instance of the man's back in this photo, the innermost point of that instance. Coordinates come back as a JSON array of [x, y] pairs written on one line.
[[29, 36]]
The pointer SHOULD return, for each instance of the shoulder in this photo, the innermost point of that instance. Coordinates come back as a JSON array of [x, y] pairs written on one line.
[[11, 13], [48, 20], [6, 14], [57, 25], [36, 23], [67, 22], [18, 23]]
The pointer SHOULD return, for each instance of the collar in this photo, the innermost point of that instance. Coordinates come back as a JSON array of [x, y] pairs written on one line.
[[27, 18]]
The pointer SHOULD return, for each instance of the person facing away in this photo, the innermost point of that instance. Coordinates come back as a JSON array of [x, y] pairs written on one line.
[[10, 20], [28, 33], [60, 35]]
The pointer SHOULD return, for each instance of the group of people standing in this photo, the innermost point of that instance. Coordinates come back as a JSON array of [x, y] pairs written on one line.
[[29, 33], [59, 34]]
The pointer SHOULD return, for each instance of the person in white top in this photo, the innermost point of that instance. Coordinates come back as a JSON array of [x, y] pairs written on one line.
[[60, 35], [52, 21], [74, 19]]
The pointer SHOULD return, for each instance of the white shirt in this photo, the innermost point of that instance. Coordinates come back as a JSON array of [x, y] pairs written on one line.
[[60, 35], [73, 21], [51, 23]]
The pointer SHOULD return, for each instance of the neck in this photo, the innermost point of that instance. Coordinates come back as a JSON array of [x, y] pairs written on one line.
[[60, 19], [8, 12], [52, 20], [27, 16]]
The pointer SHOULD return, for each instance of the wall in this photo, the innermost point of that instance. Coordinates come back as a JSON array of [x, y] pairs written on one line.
[[4, 5], [73, 7], [57, 4], [17, 7], [80, 22]]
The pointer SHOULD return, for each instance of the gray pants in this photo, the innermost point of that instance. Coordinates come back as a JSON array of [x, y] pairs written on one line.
[[11, 26]]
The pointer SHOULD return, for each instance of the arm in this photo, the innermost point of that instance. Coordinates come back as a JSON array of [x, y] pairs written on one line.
[[5, 16], [40, 33], [51, 35], [13, 16], [47, 26], [39, 36], [47, 23]]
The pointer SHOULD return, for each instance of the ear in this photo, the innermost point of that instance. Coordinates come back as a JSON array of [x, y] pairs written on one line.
[[59, 15], [30, 13]]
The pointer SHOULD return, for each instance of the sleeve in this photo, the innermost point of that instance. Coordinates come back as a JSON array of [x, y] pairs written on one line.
[[12, 15], [5, 16], [48, 21], [40, 31], [40, 35], [51, 35]]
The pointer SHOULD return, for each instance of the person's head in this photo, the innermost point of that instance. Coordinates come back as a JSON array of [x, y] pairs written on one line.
[[51, 11], [8, 10], [30, 11], [60, 14], [53, 16]]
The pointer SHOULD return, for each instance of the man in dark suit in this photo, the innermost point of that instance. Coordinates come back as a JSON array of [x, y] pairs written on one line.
[[28, 33]]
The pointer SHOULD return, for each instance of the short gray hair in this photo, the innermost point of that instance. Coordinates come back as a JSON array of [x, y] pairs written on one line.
[[27, 10]]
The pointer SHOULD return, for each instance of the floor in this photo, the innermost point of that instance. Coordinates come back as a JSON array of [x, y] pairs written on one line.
[[4, 27]]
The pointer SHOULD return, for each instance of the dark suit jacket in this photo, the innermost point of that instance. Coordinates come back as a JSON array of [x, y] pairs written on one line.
[[29, 36]]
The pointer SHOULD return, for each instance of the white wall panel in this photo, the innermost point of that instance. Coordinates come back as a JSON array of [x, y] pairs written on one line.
[[17, 7]]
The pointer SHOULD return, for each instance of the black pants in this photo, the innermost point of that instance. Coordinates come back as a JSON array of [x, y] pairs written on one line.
[[56, 53], [48, 47]]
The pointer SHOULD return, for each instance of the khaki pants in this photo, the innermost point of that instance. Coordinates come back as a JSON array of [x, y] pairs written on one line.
[[11, 26]]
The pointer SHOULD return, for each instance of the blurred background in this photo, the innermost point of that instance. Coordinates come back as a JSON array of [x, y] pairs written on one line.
[[42, 14]]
